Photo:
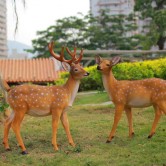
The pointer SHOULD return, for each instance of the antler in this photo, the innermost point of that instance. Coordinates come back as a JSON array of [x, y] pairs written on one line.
[[61, 57], [73, 54]]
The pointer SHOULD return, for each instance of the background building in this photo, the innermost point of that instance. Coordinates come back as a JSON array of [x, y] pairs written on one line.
[[115, 7], [3, 31]]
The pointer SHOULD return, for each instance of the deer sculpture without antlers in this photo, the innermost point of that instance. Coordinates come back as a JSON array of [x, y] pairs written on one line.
[[40, 101], [127, 94]]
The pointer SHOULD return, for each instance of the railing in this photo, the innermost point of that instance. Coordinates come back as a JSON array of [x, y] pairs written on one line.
[[127, 55], [124, 51]]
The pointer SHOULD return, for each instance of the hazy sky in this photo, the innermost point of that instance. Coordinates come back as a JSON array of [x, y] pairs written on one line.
[[39, 15]]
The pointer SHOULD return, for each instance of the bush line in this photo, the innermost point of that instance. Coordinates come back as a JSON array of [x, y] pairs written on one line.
[[122, 71]]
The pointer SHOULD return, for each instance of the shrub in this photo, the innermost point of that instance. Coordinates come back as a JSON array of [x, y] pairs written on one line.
[[63, 78], [3, 106], [122, 71], [132, 71], [93, 81]]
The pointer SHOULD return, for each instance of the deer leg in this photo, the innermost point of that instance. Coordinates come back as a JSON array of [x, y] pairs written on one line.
[[130, 121], [155, 122], [118, 114], [16, 128], [7, 126], [65, 123], [55, 122]]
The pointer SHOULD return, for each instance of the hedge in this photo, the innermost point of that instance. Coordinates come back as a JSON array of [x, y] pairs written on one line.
[[122, 71]]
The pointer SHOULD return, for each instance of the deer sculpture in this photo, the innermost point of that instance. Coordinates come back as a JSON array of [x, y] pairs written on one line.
[[132, 94], [41, 101]]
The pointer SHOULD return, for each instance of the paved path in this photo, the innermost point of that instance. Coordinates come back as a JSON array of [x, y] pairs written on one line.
[[86, 93], [93, 92], [100, 104]]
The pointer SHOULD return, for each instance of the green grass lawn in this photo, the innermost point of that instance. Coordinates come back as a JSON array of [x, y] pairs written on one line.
[[90, 127], [93, 98]]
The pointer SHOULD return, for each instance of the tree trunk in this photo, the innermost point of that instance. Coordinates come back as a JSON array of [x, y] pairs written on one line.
[[161, 42]]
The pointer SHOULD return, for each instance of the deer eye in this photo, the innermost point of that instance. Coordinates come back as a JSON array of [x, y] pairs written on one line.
[[75, 69], [107, 64]]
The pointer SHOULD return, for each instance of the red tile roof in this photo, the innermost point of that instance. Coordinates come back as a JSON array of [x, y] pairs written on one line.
[[28, 70]]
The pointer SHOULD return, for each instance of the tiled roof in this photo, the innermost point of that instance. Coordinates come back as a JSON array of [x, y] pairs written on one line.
[[28, 70]]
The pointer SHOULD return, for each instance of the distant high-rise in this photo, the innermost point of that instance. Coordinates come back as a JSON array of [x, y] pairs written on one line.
[[3, 31], [115, 7]]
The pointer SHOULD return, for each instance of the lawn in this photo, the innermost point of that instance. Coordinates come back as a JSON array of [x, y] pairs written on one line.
[[90, 126]]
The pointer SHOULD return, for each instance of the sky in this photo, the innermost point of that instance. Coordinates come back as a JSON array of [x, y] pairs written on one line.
[[39, 15]]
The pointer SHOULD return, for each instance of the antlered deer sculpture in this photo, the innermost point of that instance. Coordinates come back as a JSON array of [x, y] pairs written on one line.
[[40, 101], [128, 94]]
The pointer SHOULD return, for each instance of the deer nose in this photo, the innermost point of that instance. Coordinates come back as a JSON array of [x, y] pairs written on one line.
[[98, 68], [86, 74]]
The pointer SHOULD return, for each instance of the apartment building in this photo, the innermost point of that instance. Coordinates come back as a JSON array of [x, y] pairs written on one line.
[[115, 7], [3, 30]]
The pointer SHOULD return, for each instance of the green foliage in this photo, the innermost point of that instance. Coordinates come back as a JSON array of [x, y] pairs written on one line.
[[77, 149], [122, 71], [155, 12], [63, 78], [93, 81], [109, 31], [3, 104], [140, 70], [88, 32], [132, 71]]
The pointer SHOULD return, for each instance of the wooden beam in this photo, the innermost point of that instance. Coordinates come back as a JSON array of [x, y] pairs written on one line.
[[95, 52]]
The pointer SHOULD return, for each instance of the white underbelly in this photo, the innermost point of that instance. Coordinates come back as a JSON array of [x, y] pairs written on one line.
[[139, 102], [38, 113]]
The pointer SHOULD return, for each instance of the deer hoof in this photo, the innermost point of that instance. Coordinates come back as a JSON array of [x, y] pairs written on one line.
[[8, 149], [108, 141], [24, 152], [132, 135], [56, 149], [72, 144], [151, 135]]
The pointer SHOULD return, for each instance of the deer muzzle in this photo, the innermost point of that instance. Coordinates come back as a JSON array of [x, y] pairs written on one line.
[[98, 68], [86, 74]]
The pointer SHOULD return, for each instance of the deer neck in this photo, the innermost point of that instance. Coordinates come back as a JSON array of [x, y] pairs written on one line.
[[109, 83], [72, 86]]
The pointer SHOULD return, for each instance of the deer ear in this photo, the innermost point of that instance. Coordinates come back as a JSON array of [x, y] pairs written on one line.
[[98, 59], [66, 66], [115, 60]]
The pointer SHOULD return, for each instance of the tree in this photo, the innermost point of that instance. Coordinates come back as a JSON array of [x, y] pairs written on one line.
[[67, 31], [155, 11], [88, 32], [111, 31]]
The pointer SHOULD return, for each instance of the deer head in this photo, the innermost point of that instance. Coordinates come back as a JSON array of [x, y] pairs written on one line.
[[106, 65], [73, 65]]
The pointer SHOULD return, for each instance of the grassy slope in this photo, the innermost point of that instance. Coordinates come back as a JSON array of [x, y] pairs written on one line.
[[90, 128]]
